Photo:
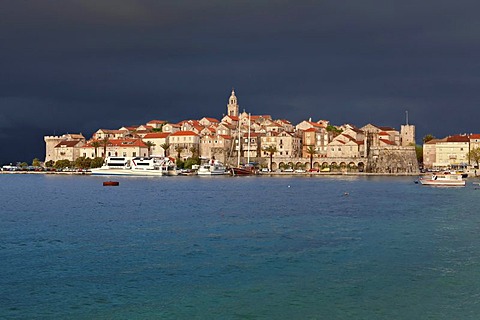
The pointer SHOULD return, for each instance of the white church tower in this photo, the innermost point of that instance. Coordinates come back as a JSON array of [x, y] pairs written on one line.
[[232, 106]]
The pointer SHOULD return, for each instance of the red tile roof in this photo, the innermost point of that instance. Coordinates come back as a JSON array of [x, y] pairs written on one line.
[[67, 143], [184, 133], [458, 138], [212, 119], [387, 142], [157, 135]]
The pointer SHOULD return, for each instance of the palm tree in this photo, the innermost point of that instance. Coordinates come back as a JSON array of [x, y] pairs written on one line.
[[311, 151], [105, 141], [179, 150], [149, 145], [271, 150], [165, 146], [428, 137], [95, 144], [194, 151], [474, 155]]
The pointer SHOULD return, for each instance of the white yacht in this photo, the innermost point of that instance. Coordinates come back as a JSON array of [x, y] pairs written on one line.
[[444, 180], [114, 166], [138, 166], [211, 167]]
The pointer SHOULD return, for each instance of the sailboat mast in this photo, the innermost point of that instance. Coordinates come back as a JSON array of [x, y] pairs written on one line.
[[238, 145], [248, 144]]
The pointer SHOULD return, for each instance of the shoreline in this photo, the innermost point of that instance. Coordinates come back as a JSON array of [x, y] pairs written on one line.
[[270, 174]]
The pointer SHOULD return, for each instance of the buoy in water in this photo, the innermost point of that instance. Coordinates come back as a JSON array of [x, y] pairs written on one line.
[[111, 183]]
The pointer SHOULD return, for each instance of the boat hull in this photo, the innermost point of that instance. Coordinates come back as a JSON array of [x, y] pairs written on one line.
[[429, 182], [126, 172], [241, 172], [210, 173]]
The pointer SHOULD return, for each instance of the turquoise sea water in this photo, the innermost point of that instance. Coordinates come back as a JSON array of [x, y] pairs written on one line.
[[237, 248]]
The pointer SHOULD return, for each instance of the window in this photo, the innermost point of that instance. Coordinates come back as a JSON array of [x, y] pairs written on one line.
[[134, 154]]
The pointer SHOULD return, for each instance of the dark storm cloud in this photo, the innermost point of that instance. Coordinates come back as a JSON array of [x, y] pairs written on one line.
[[76, 66]]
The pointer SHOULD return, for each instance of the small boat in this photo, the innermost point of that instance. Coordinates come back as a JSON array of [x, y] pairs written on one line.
[[444, 180], [211, 168], [188, 172], [246, 170], [111, 183]]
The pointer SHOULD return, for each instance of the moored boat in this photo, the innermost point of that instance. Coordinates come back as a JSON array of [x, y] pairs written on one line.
[[444, 180], [137, 166], [111, 183], [246, 170], [212, 167]]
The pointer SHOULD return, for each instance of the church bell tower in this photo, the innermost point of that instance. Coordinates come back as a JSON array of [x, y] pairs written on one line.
[[232, 106]]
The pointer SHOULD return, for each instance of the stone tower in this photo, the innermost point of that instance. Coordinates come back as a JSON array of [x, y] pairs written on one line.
[[407, 134], [50, 143], [232, 106]]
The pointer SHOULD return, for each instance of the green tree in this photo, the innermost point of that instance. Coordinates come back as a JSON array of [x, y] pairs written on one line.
[[474, 155], [194, 151], [190, 162], [62, 164], [179, 163], [311, 152], [36, 162], [83, 163], [179, 150], [333, 130], [419, 152], [95, 144], [428, 137], [97, 162], [165, 146], [105, 141], [271, 150], [50, 163]]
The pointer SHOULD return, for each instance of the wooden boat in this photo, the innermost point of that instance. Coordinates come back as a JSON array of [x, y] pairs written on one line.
[[246, 170]]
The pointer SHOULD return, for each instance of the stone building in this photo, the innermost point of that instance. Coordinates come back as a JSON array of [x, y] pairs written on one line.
[[52, 154]]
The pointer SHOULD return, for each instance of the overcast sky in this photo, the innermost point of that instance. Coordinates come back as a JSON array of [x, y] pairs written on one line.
[[76, 66]]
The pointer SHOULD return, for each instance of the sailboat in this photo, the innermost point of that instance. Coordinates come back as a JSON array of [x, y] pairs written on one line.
[[249, 168]]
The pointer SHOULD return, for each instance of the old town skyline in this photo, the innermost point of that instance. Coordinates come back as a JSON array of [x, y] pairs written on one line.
[[77, 66]]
